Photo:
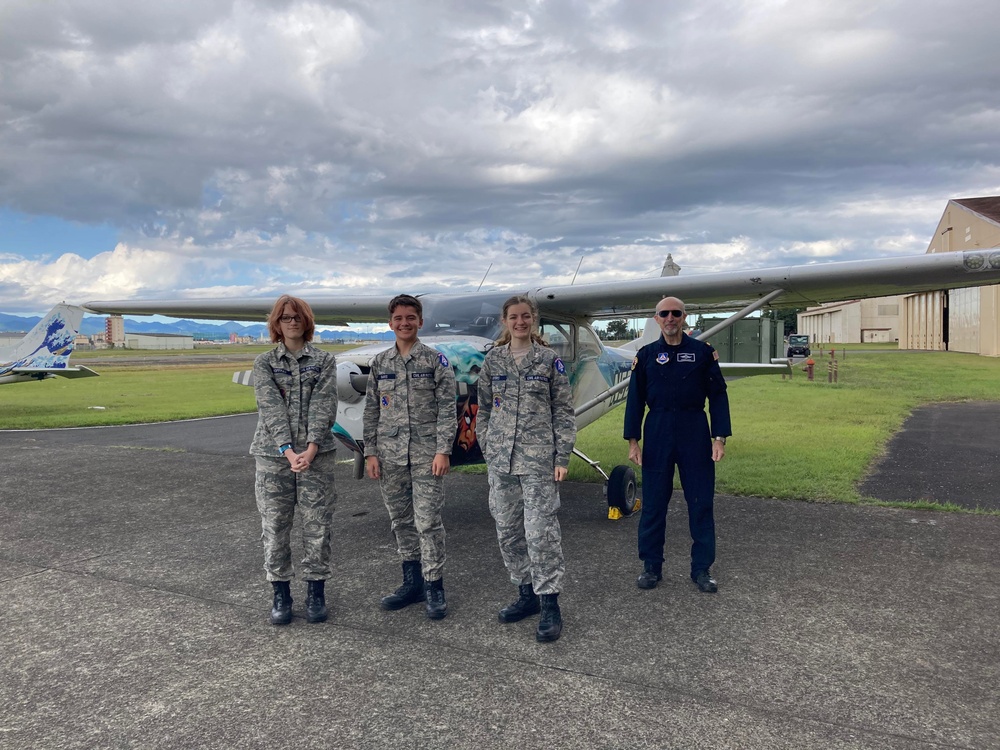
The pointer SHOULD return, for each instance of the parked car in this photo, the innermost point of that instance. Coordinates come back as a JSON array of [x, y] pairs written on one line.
[[798, 345]]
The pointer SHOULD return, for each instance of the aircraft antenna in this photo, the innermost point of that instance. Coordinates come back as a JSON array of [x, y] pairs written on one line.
[[577, 271], [484, 277]]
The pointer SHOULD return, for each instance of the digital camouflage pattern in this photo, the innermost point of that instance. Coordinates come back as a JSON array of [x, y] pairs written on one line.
[[279, 490], [296, 400], [525, 510], [410, 406], [409, 417], [297, 404], [525, 422], [414, 498], [526, 428]]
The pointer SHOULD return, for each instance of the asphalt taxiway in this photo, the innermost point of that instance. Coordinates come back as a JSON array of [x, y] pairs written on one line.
[[135, 615]]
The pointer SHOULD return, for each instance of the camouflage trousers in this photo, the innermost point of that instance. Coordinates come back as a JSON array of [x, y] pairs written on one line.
[[524, 508], [414, 498], [278, 491]]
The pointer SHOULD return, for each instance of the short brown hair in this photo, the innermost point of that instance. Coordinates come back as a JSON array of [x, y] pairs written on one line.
[[301, 308], [406, 300]]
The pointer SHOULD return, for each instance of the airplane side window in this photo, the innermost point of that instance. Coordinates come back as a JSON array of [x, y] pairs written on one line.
[[561, 337], [588, 345]]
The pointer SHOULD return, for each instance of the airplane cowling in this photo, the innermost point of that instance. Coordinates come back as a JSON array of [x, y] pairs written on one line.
[[349, 378]]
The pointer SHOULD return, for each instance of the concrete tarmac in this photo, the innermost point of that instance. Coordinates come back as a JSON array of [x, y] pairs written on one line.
[[136, 615]]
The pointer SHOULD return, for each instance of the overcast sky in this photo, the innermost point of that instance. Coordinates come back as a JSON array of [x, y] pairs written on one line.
[[209, 147]]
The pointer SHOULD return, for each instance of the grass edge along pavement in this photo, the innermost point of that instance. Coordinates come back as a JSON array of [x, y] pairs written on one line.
[[793, 439]]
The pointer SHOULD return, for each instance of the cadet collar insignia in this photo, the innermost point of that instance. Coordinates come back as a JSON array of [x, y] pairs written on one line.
[[685, 357], [663, 358], [386, 401], [560, 367], [496, 402], [442, 359], [635, 362]]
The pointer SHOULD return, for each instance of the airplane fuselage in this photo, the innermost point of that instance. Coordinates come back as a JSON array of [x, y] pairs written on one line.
[[464, 330]]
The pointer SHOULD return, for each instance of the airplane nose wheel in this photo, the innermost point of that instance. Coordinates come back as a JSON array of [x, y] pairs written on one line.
[[622, 492]]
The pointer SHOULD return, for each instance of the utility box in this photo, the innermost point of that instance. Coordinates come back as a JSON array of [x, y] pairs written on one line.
[[748, 340]]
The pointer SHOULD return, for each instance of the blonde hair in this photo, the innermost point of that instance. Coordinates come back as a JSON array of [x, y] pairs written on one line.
[[520, 299]]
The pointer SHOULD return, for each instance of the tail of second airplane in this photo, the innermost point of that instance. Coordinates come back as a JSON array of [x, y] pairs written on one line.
[[44, 351]]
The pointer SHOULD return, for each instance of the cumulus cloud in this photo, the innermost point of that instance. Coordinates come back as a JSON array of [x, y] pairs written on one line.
[[250, 145]]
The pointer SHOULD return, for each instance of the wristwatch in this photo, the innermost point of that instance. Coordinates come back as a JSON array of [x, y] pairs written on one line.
[[721, 440]]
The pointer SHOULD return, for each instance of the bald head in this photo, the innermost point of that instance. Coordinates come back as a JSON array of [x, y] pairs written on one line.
[[670, 316]]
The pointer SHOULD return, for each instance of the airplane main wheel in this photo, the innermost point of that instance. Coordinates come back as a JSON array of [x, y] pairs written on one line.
[[622, 490]]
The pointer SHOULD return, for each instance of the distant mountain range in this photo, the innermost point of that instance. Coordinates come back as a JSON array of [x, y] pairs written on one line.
[[95, 324]]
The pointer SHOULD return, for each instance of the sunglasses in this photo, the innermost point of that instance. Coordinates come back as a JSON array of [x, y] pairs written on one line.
[[668, 313], [290, 319]]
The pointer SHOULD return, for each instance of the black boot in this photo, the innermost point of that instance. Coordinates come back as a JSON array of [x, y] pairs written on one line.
[[651, 575], [525, 606], [281, 611], [412, 590], [550, 624], [316, 601], [437, 607]]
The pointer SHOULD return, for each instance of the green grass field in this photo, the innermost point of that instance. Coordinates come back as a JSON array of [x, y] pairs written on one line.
[[792, 438]]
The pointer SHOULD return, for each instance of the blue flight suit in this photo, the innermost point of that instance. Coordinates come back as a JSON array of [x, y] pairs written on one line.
[[674, 382]]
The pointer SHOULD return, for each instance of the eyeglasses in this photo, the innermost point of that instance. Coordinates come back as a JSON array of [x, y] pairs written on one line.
[[290, 319], [668, 313]]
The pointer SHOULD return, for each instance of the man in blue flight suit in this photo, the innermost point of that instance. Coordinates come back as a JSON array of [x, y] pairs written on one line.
[[674, 376]]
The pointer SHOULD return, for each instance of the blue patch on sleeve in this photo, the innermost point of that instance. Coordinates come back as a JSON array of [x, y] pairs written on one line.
[[560, 367], [443, 360]]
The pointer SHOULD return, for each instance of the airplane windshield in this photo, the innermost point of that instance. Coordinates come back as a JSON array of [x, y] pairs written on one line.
[[464, 316]]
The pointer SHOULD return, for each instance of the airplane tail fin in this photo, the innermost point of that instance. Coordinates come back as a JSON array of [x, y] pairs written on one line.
[[46, 348]]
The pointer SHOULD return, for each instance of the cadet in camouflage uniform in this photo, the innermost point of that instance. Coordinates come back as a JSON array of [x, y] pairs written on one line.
[[295, 452], [526, 430], [409, 427]]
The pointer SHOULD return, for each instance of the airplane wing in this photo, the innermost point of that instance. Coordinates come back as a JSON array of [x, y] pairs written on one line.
[[803, 286], [797, 286], [329, 310]]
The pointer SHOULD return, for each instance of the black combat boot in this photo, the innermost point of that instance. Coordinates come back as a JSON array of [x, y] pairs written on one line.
[[316, 601], [412, 590], [281, 611], [525, 606], [550, 624], [437, 607]]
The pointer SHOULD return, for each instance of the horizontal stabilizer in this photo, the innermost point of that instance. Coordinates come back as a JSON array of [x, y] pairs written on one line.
[[63, 372]]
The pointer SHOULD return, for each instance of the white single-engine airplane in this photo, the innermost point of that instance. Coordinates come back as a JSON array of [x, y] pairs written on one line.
[[463, 326], [44, 351]]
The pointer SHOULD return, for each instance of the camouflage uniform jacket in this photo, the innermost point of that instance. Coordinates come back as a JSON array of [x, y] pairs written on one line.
[[410, 406], [525, 423], [296, 400]]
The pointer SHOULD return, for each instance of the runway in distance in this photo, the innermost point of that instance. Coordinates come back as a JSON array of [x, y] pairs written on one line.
[[463, 326], [45, 349]]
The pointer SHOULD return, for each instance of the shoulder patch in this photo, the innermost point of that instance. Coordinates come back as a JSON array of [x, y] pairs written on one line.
[[560, 367], [715, 355], [443, 360], [635, 362]]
